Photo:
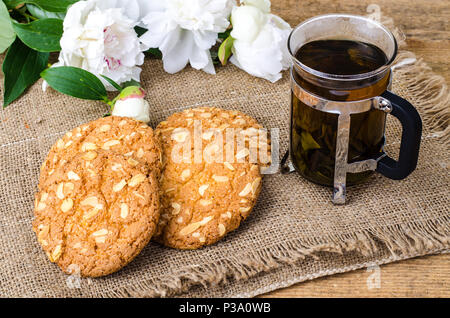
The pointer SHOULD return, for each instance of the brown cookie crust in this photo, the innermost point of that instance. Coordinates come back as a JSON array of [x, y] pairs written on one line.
[[123, 135], [95, 213], [201, 202]]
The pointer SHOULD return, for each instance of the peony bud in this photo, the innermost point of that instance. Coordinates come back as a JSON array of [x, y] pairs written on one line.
[[247, 23], [260, 40], [131, 103], [263, 5]]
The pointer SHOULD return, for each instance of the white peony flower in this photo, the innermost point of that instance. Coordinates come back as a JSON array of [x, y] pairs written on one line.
[[263, 5], [184, 31], [99, 37], [131, 103], [260, 40]]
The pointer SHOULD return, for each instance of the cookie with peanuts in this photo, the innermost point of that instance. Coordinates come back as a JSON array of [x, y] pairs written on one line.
[[96, 212], [211, 175], [123, 135]]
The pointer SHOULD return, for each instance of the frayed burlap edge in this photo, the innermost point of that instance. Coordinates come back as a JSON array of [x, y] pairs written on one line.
[[339, 270], [430, 91], [403, 240]]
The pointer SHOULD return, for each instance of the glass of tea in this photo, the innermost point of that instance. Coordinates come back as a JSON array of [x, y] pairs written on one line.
[[340, 83]]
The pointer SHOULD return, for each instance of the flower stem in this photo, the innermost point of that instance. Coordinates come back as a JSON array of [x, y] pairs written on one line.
[[26, 15], [109, 102]]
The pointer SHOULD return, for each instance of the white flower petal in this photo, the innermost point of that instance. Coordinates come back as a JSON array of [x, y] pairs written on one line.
[[205, 40], [99, 37], [195, 24], [176, 59], [151, 5], [159, 26], [132, 7], [265, 53], [263, 5], [201, 60], [137, 108], [247, 23], [170, 41], [209, 68]]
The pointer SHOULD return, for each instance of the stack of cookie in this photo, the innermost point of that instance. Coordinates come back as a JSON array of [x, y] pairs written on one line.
[[109, 186]]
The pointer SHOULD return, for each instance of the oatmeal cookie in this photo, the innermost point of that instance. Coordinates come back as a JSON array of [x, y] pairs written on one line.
[[96, 212], [206, 194], [123, 135]]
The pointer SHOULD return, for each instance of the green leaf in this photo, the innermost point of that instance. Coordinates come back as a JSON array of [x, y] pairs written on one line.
[[131, 82], [308, 142], [214, 57], [155, 52], [139, 30], [21, 67], [7, 34], [47, 5], [75, 82], [110, 81], [224, 52], [43, 14], [11, 4], [41, 35], [224, 35], [131, 91]]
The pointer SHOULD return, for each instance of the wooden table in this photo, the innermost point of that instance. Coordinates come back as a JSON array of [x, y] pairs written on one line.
[[427, 28]]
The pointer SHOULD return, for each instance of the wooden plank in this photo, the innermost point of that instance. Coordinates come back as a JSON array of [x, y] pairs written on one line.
[[427, 276], [424, 23]]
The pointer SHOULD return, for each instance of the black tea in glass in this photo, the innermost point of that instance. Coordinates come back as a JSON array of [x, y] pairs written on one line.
[[313, 132]]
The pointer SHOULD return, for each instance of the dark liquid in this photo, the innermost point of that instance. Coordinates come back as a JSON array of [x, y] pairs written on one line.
[[341, 57], [313, 133]]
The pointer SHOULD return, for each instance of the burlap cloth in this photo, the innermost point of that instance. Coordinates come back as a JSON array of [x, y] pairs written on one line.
[[293, 234]]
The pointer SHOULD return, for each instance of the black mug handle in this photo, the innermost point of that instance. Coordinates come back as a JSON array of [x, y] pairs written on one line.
[[410, 144]]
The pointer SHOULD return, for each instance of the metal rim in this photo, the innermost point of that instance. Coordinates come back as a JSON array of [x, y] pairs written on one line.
[[352, 77]]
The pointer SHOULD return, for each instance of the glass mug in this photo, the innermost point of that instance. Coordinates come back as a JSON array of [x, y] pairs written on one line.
[[337, 121]]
